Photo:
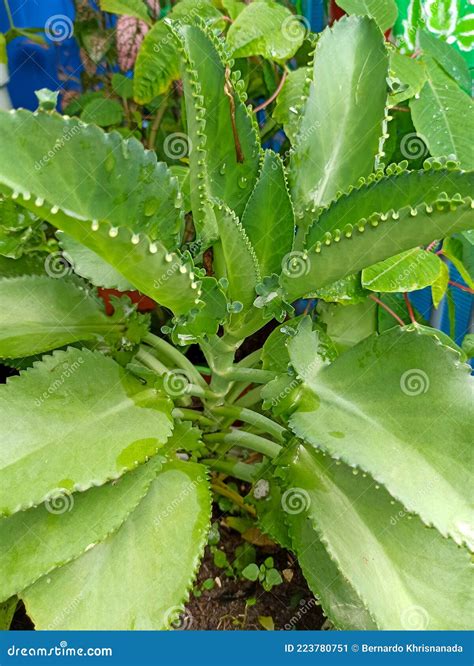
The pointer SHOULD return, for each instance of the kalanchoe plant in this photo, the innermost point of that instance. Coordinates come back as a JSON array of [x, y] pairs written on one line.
[[110, 439]]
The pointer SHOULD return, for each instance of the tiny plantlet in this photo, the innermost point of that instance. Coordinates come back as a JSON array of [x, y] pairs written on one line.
[[343, 433]]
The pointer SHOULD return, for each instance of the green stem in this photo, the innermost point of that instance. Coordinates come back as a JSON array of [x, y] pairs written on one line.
[[192, 415], [254, 418], [176, 356], [251, 360], [156, 124], [247, 440], [238, 470], [251, 398], [252, 375], [225, 491], [9, 13], [151, 362]]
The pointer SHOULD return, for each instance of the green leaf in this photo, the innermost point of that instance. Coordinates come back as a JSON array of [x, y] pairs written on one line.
[[103, 112], [130, 202], [460, 254], [271, 229], [158, 62], [385, 216], [36, 541], [42, 313], [447, 57], [136, 8], [224, 163], [122, 85], [339, 600], [407, 77], [19, 230], [444, 116], [408, 271], [266, 29], [348, 291], [60, 430], [347, 325], [7, 608], [440, 285], [139, 563], [251, 572], [3, 50], [406, 575], [405, 417], [468, 345], [384, 12], [91, 266], [339, 133], [287, 110]]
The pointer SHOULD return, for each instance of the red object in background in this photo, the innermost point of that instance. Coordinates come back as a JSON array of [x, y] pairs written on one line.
[[335, 13], [144, 303]]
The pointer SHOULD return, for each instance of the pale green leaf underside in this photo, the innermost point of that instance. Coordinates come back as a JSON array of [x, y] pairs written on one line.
[[406, 575], [339, 600], [384, 12], [409, 271], [443, 116], [339, 133], [149, 564], [75, 420], [265, 29], [91, 266], [399, 406], [36, 541], [41, 313]]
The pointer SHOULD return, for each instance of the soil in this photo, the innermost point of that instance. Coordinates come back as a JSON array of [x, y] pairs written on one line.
[[290, 605]]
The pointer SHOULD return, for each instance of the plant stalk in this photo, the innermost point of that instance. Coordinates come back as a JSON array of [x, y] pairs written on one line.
[[246, 440], [254, 418]]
